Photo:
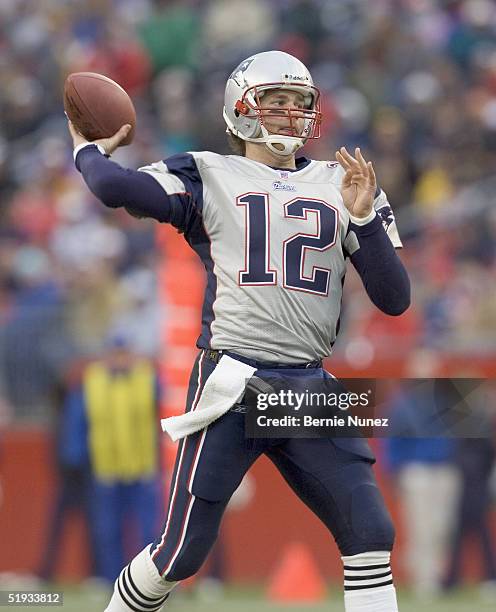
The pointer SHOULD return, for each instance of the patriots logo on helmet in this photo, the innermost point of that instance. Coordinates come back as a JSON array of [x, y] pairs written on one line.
[[386, 215], [237, 73]]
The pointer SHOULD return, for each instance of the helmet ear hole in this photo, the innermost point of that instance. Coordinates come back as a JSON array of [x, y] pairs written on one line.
[[240, 108]]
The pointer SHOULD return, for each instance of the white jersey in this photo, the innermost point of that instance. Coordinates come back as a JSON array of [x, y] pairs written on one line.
[[274, 244]]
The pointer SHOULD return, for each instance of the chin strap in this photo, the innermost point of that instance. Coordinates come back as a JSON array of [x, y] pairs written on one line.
[[276, 143], [280, 145], [285, 147]]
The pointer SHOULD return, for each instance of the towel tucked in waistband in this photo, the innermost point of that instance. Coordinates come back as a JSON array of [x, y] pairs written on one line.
[[224, 387]]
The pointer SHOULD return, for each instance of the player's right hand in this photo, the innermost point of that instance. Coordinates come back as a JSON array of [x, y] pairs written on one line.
[[109, 144]]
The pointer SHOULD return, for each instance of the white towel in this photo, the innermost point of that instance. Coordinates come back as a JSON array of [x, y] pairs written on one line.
[[224, 387]]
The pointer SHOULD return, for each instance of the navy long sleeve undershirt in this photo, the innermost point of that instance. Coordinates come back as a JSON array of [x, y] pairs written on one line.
[[382, 272], [117, 187]]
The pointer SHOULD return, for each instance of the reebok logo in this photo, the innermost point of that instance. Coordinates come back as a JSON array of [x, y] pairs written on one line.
[[280, 186]]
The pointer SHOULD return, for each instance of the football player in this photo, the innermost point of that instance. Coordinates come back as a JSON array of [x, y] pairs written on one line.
[[273, 231]]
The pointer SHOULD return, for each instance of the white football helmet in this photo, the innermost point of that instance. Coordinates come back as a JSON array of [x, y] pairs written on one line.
[[246, 87]]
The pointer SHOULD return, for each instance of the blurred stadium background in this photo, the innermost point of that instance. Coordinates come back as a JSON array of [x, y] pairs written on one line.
[[413, 82]]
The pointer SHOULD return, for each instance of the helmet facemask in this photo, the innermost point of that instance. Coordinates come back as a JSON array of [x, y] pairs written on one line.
[[300, 124]]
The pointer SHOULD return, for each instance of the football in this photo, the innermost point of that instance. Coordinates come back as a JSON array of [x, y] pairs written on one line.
[[98, 106]]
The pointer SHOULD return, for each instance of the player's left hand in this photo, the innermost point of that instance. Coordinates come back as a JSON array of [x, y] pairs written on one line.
[[359, 184]]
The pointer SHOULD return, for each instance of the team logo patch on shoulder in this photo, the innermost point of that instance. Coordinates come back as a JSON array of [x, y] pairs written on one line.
[[280, 186], [386, 215]]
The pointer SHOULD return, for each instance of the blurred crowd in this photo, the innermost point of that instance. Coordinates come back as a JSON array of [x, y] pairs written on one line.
[[413, 82]]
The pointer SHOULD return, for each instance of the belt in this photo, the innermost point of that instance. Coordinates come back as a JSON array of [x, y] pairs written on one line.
[[214, 356]]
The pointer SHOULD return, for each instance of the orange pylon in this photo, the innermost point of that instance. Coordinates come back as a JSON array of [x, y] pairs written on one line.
[[297, 577]]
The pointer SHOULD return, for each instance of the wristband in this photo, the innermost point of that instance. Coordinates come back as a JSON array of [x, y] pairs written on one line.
[[363, 220], [83, 145]]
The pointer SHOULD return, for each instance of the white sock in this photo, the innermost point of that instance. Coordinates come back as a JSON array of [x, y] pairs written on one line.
[[368, 583], [140, 587]]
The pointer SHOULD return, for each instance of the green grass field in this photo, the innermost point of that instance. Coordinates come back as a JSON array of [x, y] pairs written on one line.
[[251, 600]]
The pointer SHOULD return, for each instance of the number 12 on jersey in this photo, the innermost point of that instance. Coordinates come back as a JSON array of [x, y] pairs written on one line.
[[257, 269]]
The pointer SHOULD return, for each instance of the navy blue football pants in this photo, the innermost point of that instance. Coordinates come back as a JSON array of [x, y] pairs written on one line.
[[333, 477]]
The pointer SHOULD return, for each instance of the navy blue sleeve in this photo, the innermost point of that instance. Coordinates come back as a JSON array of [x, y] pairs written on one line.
[[381, 270], [136, 191]]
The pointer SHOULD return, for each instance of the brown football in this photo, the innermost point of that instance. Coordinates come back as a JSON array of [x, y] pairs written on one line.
[[98, 106]]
